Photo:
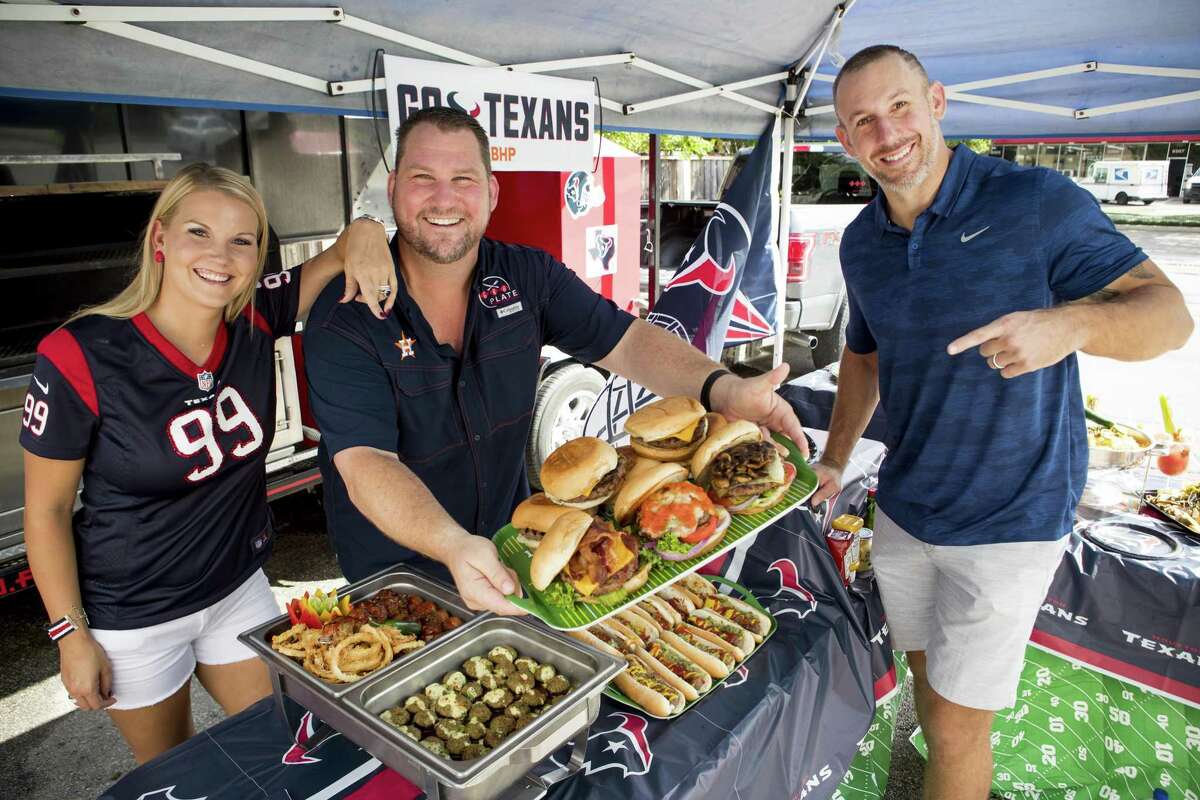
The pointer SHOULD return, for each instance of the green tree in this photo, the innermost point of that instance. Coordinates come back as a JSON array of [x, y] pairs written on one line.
[[668, 144], [981, 146]]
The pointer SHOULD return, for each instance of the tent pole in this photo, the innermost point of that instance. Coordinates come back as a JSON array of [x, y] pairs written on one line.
[[652, 219], [784, 187]]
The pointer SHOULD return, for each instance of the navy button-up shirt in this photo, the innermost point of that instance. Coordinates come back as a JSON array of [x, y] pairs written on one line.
[[974, 458], [458, 420]]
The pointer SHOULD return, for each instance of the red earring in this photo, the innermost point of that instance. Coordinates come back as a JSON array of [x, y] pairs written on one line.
[[159, 256]]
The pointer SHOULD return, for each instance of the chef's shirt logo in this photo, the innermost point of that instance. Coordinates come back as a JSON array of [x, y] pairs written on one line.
[[497, 292]]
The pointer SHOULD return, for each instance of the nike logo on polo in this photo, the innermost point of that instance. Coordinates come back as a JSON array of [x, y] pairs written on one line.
[[964, 238], [45, 387]]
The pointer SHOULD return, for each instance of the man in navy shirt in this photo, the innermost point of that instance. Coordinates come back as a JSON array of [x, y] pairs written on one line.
[[972, 283], [424, 417]]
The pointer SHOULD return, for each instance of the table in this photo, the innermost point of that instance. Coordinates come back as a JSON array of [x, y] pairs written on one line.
[[788, 724]]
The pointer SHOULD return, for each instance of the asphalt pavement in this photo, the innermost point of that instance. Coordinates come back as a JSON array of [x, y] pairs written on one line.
[[50, 751]]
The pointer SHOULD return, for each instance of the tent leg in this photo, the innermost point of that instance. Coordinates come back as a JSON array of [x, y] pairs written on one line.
[[653, 220]]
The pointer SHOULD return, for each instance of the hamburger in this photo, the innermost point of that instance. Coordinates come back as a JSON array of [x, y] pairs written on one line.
[[741, 470], [677, 517], [533, 518], [584, 472], [669, 429], [584, 559]]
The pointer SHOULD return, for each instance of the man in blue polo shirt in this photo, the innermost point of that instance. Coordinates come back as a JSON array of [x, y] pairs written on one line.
[[424, 416], [972, 283]]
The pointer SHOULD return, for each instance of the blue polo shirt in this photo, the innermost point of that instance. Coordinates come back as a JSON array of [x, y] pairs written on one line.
[[974, 458], [459, 421]]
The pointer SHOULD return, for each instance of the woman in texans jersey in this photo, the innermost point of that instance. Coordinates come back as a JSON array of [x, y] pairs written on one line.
[[163, 401]]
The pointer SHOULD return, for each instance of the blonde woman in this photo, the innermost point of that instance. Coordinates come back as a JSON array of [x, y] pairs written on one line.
[[163, 401]]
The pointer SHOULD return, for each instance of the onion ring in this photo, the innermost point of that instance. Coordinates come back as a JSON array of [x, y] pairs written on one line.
[[378, 653], [291, 642]]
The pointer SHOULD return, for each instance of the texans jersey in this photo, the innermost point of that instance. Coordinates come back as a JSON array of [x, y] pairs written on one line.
[[174, 514]]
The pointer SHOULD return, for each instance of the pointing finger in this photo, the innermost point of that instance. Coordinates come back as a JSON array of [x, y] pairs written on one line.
[[974, 338]]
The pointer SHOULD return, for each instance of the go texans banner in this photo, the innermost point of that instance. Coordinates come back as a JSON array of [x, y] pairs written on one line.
[[535, 123], [723, 293]]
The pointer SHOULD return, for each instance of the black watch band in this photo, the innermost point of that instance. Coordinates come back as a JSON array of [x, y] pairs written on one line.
[[706, 390]]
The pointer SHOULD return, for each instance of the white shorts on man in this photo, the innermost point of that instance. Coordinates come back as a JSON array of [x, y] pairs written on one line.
[[971, 608]]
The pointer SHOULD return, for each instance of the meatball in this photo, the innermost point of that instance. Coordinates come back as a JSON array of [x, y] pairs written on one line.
[[452, 705], [524, 720], [526, 664], [434, 690], [499, 698], [411, 731], [479, 712], [475, 750], [558, 685], [456, 746], [417, 703], [534, 698], [502, 724], [504, 650], [477, 666], [447, 728], [435, 746], [503, 664], [454, 680], [472, 690], [519, 683], [517, 710], [490, 680], [476, 729], [424, 719], [545, 672], [396, 716]]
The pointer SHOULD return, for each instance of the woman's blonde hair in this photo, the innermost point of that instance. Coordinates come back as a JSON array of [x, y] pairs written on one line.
[[143, 290]]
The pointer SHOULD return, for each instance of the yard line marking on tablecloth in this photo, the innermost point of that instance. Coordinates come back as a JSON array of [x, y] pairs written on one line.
[[1049, 712]]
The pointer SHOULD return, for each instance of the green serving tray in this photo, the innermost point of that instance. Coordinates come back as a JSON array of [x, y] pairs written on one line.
[[744, 593], [516, 556]]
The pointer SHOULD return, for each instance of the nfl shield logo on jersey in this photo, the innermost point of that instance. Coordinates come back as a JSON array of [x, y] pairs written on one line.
[[204, 380]]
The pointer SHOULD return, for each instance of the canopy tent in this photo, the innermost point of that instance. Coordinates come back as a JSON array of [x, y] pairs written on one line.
[[672, 65], [1099, 67]]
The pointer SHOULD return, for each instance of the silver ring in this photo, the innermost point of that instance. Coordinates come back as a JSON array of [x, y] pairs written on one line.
[[992, 361], [385, 290]]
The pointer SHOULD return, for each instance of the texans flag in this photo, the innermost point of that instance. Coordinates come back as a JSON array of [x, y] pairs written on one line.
[[723, 293]]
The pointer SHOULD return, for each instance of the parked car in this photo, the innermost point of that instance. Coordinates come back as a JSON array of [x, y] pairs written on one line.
[[1191, 189], [1122, 181]]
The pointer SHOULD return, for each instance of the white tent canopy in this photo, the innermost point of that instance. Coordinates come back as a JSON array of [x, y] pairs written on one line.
[[1085, 67]]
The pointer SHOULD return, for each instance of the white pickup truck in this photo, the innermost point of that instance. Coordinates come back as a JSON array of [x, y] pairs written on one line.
[[829, 189]]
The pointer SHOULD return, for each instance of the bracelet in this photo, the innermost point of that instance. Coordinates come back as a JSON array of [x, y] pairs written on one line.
[[371, 217], [57, 630], [706, 390], [72, 621]]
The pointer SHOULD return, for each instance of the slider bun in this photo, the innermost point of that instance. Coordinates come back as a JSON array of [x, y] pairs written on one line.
[[575, 468], [646, 477], [538, 512], [726, 436], [664, 418], [557, 547]]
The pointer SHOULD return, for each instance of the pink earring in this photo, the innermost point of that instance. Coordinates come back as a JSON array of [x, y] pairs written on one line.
[[159, 256]]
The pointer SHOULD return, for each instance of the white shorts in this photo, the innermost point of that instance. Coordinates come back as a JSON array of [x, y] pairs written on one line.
[[970, 608], [150, 664]]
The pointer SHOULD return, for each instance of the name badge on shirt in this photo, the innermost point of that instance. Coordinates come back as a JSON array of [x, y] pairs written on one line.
[[508, 311]]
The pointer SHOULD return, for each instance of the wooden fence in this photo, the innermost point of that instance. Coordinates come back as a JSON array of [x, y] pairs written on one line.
[[687, 178]]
